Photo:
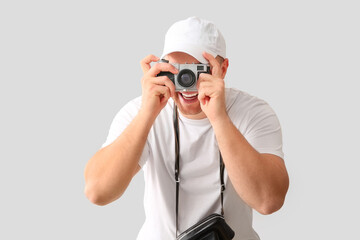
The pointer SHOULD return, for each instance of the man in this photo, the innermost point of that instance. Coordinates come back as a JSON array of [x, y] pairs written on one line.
[[243, 128]]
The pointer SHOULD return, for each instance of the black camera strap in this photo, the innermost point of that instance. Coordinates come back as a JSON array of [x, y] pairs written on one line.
[[177, 168]]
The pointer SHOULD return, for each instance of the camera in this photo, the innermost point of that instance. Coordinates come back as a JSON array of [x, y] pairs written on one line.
[[186, 79]]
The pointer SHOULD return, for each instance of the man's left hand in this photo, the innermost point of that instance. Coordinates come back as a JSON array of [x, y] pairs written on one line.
[[211, 88]]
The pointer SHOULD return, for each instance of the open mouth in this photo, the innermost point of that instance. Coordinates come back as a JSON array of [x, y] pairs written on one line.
[[189, 97]]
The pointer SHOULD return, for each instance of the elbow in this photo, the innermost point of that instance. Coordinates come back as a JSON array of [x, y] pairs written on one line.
[[95, 196], [273, 201], [271, 205], [270, 208]]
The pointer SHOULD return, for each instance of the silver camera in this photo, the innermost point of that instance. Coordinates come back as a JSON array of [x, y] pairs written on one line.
[[186, 79]]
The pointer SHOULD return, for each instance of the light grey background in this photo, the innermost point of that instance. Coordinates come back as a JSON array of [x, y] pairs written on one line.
[[67, 67]]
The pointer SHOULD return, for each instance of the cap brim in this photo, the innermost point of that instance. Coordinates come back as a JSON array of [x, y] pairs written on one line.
[[191, 49]]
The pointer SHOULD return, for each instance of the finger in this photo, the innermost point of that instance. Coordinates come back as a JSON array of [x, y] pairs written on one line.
[[161, 91], [203, 83], [204, 77], [165, 97], [209, 91], [145, 62], [214, 64], [164, 81], [162, 67], [203, 97], [160, 81]]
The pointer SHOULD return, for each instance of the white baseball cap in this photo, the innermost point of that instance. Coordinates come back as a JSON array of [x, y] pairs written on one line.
[[194, 36]]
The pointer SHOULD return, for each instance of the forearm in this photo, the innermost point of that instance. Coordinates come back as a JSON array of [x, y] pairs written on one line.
[[110, 170], [259, 181]]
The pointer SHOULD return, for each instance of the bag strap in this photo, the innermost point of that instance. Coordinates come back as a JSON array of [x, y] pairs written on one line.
[[177, 156], [177, 168], [222, 167]]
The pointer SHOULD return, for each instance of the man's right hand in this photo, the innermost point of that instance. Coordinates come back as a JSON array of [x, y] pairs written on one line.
[[155, 90]]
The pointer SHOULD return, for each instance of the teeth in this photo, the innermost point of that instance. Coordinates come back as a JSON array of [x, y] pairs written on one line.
[[189, 95]]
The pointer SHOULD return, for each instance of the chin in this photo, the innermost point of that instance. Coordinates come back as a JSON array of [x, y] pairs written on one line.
[[192, 109]]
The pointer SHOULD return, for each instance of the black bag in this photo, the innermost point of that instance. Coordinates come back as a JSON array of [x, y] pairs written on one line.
[[213, 227]]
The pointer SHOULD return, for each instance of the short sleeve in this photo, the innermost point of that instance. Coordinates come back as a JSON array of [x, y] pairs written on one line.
[[264, 131], [121, 120]]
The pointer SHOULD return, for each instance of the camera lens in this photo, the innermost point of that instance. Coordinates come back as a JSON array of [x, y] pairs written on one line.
[[186, 78]]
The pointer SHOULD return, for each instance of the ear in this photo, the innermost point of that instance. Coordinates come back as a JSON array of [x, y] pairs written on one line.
[[224, 67]]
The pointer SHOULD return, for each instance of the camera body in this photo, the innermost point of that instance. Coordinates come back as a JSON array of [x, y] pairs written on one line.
[[186, 79]]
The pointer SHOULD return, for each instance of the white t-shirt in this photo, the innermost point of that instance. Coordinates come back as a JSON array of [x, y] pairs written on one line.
[[199, 194]]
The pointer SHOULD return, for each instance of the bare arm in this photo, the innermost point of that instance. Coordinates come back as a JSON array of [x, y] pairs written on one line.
[[109, 172], [261, 180]]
